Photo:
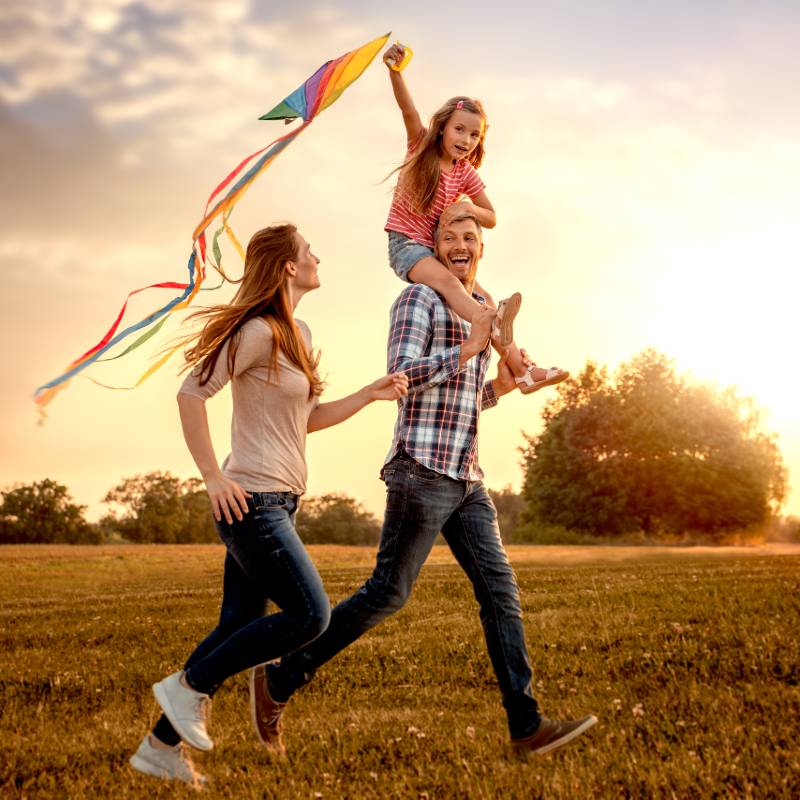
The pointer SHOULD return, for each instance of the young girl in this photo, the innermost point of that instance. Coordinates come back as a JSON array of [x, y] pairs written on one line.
[[259, 346], [439, 168]]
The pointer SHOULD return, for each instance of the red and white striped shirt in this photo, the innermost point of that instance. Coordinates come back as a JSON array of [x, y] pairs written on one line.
[[462, 179]]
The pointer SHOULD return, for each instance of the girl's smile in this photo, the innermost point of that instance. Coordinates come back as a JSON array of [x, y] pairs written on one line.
[[461, 135]]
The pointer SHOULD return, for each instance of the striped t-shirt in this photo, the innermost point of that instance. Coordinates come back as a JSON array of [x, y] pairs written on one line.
[[462, 179]]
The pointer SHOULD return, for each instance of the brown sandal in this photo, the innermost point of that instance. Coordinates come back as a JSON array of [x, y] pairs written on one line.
[[503, 325]]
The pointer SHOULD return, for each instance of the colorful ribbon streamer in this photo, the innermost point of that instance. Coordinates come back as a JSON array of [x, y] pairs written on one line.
[[321, 90]]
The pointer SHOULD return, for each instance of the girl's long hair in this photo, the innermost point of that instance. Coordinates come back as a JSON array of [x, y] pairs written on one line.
[[263, 292], [419, 173]]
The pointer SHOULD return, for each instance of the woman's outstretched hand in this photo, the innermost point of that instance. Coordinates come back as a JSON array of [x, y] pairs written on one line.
[[228, 499], [390, 387]]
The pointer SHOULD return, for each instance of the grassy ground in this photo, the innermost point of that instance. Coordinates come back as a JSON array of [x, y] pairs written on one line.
[[689, 657]]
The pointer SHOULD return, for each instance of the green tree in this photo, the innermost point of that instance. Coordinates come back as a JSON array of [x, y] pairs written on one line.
[[510, 507], [43, 512], [151, 508], [650, 451], [336, 519], [199, 526]]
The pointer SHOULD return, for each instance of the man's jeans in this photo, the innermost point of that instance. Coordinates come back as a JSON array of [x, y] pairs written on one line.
[[420, 503], [265, 560]]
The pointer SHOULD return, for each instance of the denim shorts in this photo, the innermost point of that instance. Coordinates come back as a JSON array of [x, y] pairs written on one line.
[[404, 253]]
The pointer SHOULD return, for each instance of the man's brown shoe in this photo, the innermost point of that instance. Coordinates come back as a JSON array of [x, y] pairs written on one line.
[[265, 711], [552, 733]]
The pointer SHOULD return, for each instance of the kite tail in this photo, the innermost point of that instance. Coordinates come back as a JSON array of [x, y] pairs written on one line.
[[322, 89]]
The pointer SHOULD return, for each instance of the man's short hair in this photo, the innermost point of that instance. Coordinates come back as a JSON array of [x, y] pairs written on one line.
[[460, 218]]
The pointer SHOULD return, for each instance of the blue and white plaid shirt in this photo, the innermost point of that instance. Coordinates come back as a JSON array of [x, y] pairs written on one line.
[[437, 423]]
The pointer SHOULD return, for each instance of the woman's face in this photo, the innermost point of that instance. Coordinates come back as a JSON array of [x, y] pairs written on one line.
[[306, 276]]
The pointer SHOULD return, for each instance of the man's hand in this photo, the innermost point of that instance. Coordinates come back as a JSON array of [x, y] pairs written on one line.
[[479, 333], [504, 382], [390, 387]]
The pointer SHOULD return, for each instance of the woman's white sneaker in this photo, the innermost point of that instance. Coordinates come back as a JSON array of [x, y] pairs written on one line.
[[170, 763], [186, 709]]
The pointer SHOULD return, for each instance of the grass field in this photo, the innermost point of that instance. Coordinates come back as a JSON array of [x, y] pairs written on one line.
[[689, 657]]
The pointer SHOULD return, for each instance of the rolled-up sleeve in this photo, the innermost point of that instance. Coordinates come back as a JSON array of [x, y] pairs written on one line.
[[410, 330]]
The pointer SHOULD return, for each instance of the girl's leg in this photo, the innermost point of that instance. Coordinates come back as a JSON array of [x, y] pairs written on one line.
[[433, 273], [519, 365]]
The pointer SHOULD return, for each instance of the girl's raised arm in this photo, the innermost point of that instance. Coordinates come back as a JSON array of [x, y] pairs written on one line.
[[411, 118]]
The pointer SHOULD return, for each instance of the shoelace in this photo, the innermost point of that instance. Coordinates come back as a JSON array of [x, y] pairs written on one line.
[[203, 708]]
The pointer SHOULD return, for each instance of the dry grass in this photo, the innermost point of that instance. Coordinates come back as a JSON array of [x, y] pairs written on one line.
[[689, 657]]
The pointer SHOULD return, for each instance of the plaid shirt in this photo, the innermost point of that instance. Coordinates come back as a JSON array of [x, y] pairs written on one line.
[[437, 423]]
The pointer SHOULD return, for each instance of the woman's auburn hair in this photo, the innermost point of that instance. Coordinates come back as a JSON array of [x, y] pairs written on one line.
[[264, 293], [419, 173]]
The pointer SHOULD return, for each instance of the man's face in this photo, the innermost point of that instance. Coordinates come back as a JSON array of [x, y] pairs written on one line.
[[459, 248]]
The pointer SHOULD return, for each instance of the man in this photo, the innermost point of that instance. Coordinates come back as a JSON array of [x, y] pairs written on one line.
[[434, 484]]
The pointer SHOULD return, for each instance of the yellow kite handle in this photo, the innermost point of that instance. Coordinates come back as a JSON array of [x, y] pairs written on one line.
[[406, 58]]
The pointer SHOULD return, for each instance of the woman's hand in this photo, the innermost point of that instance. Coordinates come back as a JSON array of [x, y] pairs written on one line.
[[394, 55], [390, 387], [228, 499]]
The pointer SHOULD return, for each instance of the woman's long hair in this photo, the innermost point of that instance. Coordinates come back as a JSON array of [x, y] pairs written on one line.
[[419, 173], [263, 292]]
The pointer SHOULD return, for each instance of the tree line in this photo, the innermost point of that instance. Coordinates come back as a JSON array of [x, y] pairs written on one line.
[[640, 452]]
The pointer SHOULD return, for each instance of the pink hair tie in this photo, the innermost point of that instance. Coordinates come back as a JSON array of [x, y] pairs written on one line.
[[459, 104]]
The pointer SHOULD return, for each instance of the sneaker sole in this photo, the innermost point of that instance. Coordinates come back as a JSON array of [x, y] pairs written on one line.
[[166, 707], [140, 765], [147, 768], [567, 737]]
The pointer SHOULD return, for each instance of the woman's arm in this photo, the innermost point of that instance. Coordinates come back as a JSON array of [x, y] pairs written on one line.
[[411, 118], [228, 499], [389, 387]]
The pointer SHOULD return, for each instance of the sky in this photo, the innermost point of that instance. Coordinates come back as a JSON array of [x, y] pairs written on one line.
[[643, 159]]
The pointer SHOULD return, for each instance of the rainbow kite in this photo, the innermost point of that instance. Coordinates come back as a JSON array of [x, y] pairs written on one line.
[[322, 89]]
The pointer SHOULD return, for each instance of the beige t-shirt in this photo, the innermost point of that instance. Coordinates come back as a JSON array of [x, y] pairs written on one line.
[[270, 417]]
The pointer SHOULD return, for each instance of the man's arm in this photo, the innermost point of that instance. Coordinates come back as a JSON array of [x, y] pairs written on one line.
[[410, 333]]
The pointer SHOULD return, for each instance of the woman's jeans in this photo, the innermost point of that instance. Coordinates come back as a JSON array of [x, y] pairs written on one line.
[[265, 560], [419, 504]]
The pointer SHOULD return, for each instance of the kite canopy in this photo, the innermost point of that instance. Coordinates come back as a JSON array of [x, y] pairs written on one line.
[[321, 90]]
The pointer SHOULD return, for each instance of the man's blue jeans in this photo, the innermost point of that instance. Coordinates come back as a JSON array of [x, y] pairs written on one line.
[[265, 560], [420, 503]]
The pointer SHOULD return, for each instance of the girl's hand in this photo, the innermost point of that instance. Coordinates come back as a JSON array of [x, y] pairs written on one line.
[[394, 55], [456, 210], [228, 499], [390, 387]]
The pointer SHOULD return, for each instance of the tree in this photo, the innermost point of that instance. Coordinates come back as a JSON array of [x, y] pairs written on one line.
[[152, 508], [158, 507], [651, 452], [43, 512], [510, 507], [199, 525], [336, 519]]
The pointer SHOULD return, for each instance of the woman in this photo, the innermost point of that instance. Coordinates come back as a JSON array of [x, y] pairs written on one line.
[[257, 344]]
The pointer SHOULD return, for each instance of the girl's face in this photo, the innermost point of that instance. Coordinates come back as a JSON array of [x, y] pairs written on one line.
[[461, 134]]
